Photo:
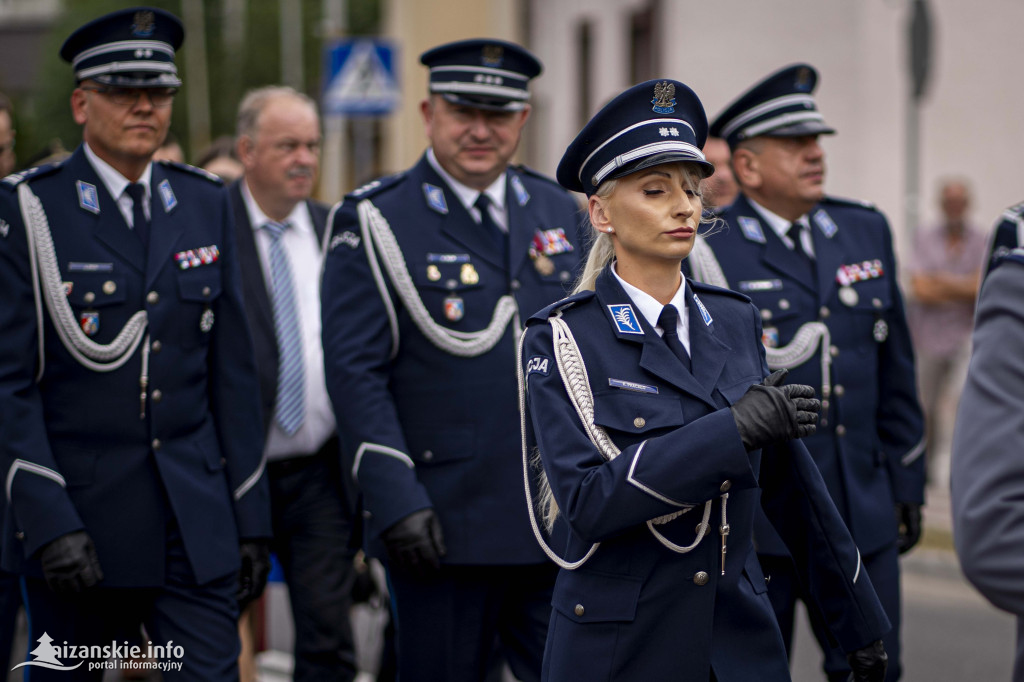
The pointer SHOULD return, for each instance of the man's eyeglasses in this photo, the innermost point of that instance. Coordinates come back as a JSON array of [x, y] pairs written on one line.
[[128, 97]]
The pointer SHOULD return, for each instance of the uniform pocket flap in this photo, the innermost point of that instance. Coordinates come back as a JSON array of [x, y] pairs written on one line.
[[199, 284], [596, 598], [637, 412], [96, 289], [434, 445]]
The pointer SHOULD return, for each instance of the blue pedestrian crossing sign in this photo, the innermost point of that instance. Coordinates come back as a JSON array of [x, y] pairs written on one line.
[[361, 78]]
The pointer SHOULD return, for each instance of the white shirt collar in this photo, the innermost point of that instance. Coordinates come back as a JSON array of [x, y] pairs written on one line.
[[651, 309], [299, 218], [467, 195], [778, 224], [112, 178]]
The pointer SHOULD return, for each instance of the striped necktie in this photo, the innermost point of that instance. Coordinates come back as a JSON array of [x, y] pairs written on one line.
[[291, 380]]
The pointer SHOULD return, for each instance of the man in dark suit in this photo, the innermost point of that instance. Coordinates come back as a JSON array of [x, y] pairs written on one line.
[[823, 273], [129, 422], [429, 274], [279, 230]]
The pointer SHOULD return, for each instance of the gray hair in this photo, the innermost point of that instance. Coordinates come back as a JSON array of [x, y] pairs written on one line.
[[255, 101]]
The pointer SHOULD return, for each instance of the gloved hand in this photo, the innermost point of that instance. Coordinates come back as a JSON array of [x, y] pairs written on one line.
[[908, 522], [771, 413], [70, 564], [415, 543], [252, 576], [868, 664]]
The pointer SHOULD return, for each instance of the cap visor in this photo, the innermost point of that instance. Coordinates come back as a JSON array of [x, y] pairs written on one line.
[[705, 168], [800, 129], [487, 103]]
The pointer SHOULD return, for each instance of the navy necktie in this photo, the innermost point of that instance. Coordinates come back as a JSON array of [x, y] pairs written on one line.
[[794, 233], [669, 321], [137, 191], [291, 379], [494, 233]]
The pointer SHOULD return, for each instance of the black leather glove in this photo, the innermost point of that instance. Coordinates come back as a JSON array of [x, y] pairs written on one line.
[[908, 522], [252, 576], [415, 543], [771, 413], [70, 564], [868, 664]]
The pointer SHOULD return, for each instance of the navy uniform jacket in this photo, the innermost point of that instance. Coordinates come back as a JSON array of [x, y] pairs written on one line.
[[638, 610], [987, 466], [869, 442], [421, 427], [1007, 235], [75, 452]]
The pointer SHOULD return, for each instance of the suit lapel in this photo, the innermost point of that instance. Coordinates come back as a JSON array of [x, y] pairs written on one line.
[[253, 283], [522, 222], [775, 255], [164, 232], [111, 229], [655, 355], [829, 254], [456, 221]]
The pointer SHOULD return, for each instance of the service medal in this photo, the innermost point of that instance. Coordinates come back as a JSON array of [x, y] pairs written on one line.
[[433, 273], [880, 330], [468, 274], [454, 308], [206, 321], [848, 295], [544, 265]]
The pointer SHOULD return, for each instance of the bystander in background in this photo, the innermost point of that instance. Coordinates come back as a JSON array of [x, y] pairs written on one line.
[[944, 266]]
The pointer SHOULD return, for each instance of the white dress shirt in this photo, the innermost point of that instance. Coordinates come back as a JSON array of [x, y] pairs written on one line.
[[651, 309], [305, 258], [116, 184], [467, 195], [781, 226]]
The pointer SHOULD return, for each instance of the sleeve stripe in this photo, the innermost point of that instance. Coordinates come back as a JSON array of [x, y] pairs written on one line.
[[248, 483], [32, 469], [656, 495], [914, 454], [383, 450]]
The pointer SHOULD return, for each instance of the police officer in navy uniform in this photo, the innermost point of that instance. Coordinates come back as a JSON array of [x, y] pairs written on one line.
[[1007, 235], [660, 435], [129, 415], [427, 278], [823, 273]]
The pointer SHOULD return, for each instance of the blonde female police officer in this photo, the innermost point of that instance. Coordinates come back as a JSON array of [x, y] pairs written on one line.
[[659, 435]]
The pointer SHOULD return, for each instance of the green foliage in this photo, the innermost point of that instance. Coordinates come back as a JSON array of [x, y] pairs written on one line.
[[45, 115]]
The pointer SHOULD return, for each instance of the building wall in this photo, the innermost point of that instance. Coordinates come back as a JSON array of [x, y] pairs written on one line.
[[970, 118]]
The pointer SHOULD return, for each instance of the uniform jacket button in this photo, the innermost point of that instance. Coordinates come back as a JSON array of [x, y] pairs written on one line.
[[156, 346], [20, 535], [840, 430], [766, 314], [725, 486], [639, 422], [157, 395], [89, 297], [152, 298], [839, 390], [824, 312], [701, 578], [783, 304], [833, 351], [579, 610], [206, 291], [514, 284], [157, 444]]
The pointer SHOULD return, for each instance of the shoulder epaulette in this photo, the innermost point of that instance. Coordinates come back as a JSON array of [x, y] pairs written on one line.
[[1014, 212], [194, 170], [1016, 255], [564, 304], [376, 186], [526, 170], [15, 179], [855, 203], [712, 289]]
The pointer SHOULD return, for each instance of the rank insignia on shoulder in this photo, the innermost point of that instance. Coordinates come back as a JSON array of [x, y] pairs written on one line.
[[632, 386], [522, 196], [87, 197], [435, 198], [348, 238], [167, 195], [703, 311], [751, 228], [825, 223], [538, 364], [90, 322], [4, 228], [625, 319], [192, 258]]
